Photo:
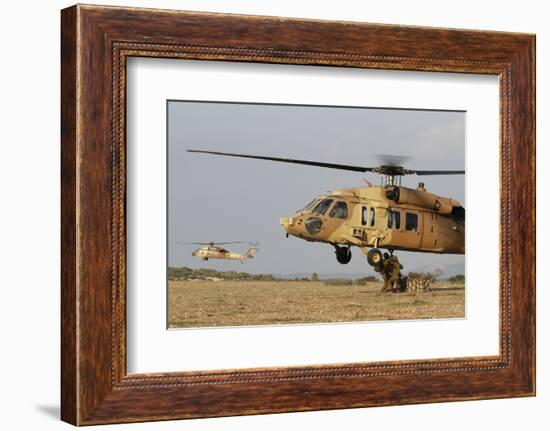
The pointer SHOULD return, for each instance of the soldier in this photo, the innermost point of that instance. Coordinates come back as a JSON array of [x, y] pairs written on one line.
[[386, 269], [395, 273]]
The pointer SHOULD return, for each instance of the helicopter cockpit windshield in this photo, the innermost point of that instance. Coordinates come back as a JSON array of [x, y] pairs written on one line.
[[322, 207], [309, 206]]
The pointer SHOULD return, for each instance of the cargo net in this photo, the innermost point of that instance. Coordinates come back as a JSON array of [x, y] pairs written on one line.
[[417, 284], [410, 284]]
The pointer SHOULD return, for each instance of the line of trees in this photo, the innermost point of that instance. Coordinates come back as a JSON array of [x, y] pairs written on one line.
[[459, 278], [185, 273]]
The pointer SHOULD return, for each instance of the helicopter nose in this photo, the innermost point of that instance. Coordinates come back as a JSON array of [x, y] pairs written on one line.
[[287, 223], [293, 225]]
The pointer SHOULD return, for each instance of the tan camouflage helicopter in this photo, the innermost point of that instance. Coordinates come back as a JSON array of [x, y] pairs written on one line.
[[212, 250], [389, 216]]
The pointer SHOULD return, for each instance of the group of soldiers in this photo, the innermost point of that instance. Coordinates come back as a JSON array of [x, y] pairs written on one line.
[[390, 269]]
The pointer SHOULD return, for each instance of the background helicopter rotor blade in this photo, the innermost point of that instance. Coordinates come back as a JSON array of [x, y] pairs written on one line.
[[296, 161], [212, 243], [228, 242]]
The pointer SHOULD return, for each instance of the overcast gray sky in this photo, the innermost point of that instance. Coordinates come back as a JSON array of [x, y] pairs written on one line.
[[215, 198]]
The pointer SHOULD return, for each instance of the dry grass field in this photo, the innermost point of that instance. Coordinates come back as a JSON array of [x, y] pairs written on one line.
[[203, 303]]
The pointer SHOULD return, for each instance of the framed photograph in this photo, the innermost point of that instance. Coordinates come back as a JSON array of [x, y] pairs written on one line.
[[262, 214], [272, 280]]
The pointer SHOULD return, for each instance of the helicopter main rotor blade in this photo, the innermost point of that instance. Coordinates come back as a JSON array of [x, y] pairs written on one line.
[[417, 172], [384, 170], [230, 242], [296, 161]]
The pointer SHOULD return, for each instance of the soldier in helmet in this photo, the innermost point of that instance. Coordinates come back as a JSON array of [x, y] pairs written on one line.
[[395, 268], [386, 270]]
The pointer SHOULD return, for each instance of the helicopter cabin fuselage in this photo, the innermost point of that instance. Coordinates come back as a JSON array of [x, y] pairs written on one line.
[[213, 252], [390, 217], [206, 253]]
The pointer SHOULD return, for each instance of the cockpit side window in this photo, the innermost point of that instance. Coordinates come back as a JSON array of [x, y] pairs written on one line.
[[339, 210], [322, 206], [363, 216], [394, 219]]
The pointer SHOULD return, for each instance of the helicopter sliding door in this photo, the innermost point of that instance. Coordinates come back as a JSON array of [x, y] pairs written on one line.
[[405, 228], [412, 228]]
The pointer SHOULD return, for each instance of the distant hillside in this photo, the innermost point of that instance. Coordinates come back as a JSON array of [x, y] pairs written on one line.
[[185, 273], [448, 271]]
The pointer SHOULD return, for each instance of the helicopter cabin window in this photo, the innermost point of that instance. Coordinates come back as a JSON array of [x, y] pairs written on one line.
[[372, 216], [339, 210], [411, 222], [394, 219], [363, 216], [322, 206]]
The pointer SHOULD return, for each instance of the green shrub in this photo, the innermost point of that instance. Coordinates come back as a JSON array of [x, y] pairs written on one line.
[[459, 278]]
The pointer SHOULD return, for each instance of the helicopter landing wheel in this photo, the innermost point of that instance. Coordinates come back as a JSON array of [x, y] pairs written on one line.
[[374, 257], [343, 254]]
